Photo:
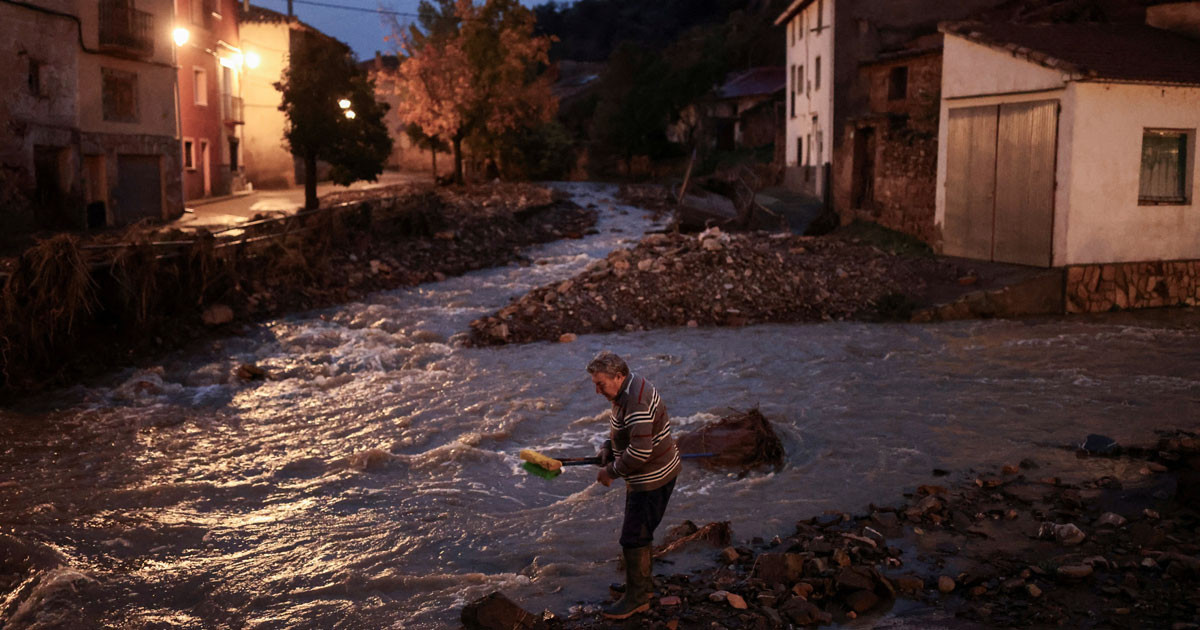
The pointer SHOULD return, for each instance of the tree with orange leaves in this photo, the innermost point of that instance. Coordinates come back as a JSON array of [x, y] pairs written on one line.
[[470, 73]]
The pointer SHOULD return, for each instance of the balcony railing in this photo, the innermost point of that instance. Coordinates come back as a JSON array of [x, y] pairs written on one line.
[[232, 106], [125, 30]]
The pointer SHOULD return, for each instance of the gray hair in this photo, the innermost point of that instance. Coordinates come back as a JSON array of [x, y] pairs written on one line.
[[608, 363]]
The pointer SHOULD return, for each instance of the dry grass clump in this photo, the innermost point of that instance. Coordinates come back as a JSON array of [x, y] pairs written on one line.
[[50, 288]]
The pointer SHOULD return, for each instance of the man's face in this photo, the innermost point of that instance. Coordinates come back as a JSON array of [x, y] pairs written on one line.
[[607, 385]]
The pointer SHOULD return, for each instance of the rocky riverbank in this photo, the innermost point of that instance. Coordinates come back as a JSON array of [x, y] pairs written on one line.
[[73, 307], [725, 279], [1114, 547]]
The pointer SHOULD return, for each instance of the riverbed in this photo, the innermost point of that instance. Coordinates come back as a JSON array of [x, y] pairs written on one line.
[[373, 481]]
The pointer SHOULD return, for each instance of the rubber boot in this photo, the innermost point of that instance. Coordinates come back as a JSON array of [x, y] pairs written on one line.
[[639, 585]]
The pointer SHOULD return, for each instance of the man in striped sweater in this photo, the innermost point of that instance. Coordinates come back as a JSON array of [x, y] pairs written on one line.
[[642, 452]]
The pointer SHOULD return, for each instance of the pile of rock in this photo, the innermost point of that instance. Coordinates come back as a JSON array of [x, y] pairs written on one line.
[[1007, 550], [714, 279]]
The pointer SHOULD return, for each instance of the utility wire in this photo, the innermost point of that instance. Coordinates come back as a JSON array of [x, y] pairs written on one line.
[[330, 5]]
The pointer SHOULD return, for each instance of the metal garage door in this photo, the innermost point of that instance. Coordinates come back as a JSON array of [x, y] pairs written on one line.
[[1000, 182], [138, 194]]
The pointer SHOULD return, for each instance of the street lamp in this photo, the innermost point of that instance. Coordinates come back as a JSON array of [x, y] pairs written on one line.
[[350, 114], [345, 104], [181, 36], [252, 60]]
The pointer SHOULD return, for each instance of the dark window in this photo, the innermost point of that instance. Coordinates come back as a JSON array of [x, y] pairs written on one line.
[[820, 14], [233, 153], [799, 151], [35, 77], [189, 155], [1164, 167], [898, 83], [817, 74], [119, 95]]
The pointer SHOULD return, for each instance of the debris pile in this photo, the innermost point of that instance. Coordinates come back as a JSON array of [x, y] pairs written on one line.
[[716, 279], [1011, 549]]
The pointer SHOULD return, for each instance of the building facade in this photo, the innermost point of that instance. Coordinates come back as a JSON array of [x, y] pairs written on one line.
[[827, 41], [90, 112], [211, 65], [1073, 145], [810, 95], [266, 35]]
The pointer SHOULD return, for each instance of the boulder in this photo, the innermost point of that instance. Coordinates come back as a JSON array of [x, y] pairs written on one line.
[[804, 613], [742, 441], [862, 601], [855, 579], [779, 568], [497, 612]]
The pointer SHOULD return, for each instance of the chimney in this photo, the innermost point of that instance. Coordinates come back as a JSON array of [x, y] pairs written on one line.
[[378, 61], [290, 13], [1178, 17]]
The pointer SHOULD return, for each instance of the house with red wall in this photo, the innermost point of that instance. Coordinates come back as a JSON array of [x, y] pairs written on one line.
[[211, 67]]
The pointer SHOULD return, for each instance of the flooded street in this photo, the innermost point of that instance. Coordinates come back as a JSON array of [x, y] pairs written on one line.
[[374, 483]]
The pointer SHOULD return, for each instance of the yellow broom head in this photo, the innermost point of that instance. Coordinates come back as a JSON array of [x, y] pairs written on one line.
[[537, 459]]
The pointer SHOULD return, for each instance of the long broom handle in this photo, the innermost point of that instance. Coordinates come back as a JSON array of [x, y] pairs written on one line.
[[595, 461]]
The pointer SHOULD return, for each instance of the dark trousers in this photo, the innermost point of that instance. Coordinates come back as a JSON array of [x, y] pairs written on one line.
[[643, 512]]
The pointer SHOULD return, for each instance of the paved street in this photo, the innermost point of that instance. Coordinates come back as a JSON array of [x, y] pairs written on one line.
[[241, 207]]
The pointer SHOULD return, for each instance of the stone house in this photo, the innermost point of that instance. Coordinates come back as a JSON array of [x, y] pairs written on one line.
[[892, 150], [211, 112], [827, 41], [89, 112], [1073, 145], [744, 112]]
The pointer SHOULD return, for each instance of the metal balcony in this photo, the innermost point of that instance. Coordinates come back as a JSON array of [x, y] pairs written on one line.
[[124, 30], [232, 108]]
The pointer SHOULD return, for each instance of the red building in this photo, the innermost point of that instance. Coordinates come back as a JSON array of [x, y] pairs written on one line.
[[211, 64]]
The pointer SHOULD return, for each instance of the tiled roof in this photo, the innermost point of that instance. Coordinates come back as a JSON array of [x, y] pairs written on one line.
[[262, 15], [755, 82], [1115, 52]]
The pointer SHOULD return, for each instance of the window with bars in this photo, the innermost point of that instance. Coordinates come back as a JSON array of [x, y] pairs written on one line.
[[1164, 172]]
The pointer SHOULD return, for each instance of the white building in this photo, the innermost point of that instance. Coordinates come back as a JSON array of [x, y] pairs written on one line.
[[1073, 145], [1069, 144], [809, 107]]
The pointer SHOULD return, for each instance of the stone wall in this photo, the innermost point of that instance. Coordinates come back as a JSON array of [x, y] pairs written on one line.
[[904, 185], [1104, 287], [900, 157]]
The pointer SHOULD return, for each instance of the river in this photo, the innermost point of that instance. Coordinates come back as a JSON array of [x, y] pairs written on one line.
[[374, 483]]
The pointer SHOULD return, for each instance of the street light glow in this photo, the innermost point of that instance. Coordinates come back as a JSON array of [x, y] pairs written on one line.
[[252, 60], [237, 58], [345, 104], [181, 36], [350, 114]]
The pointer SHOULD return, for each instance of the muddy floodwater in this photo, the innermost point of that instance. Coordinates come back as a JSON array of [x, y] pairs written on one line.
[[374, 483]]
